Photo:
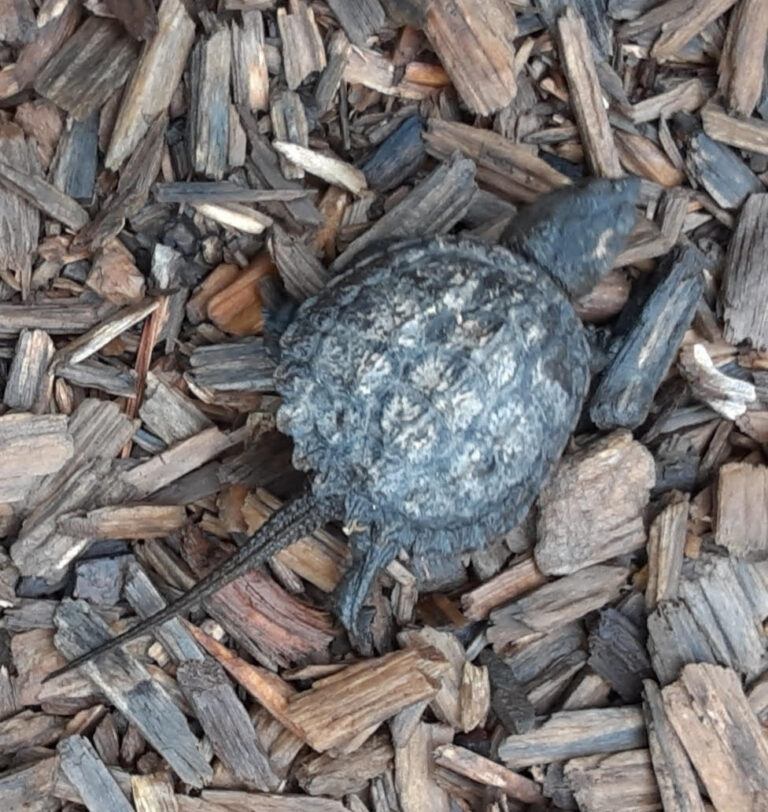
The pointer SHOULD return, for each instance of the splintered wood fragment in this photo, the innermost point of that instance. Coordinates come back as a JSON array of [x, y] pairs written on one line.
[[209, 108], [44, 196], [114, 275], [19, 218], [359, 20], [592, 508], [219, 800], [289, 123], [237, 308], [521, 577], [489, 773], [569, 734], [618, 781], [30, 786], [474, 696], [726, 395], [687, 96], [627, 388], [713, 719], [126, 522], [417, 789], [33, 444], [716, 619], [177, 461], [744, 292], [683, 27], [330, 169], [89, 776], [153, 793], [666, 545], [745, 133], [129, 687], [56, 318], [741, 510], [555, 604], [138, 16], [741, 68], [225, 722], [154, 81], [221, 192], [29, 384], [170, 414], [433, 207], [360, 696], [586, 96], [91, 342], [504, 167], [378, 72], [329, 82], [674, 774], [301, 271], [475, 42], [250, 80], [74, 167], [236, 216], [93, 63], [346, 773], [242, 366], [640, 156], [303, 51]]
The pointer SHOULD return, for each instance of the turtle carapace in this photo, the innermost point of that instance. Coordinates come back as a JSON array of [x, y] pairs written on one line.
[[432, 387]]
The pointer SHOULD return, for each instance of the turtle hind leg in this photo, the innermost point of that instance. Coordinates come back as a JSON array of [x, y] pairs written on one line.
[[370, 554]]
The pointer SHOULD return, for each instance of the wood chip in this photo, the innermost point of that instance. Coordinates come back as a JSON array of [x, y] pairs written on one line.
[[666, 544], [250, 81], [741, 518], [331, 169], [89, 775], [303, 51]]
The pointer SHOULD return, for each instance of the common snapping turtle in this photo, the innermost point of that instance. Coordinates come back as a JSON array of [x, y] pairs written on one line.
[[432, 388]]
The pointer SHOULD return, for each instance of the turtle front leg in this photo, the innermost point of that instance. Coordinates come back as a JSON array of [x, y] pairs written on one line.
[[370, 554]]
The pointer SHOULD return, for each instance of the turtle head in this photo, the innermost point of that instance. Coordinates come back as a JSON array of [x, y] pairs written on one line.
[[576, 233]]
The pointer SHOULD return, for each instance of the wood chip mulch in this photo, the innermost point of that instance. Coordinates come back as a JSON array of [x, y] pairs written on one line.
[[158, 162]]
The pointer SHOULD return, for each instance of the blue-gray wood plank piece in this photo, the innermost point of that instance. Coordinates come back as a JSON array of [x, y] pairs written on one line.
[[360, 18], [90, 777], [130, 688], [625, 393], [397, 157], [74, 166]]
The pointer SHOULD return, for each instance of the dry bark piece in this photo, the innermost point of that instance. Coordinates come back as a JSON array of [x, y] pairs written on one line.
[[666, 545], [591, 509], [29, 384], [242, 366], [235, 216], [640, 156], [555, 604], [741, 67], [359, 697], [618, 781], [130, 689], [125, 522], [717, 618], [154, 81], [226, 722], [710, 714], [209, 108], [745, 133], [586, 96], [741, 510], [74, 166], [679, 29], [114, 275], [417, 788], [329, 82], [475, 42], [153, 793], [487, 772], [432, 207], [289, 124], [237, 308], [168, 413], [627, 387], [503, 167], [90, 776], [686, 96], [303, 51], [301, 271], [330, 169], [743, 290], [250, 80], [94, 62], [674, 774], [521, 577], [569, 734], [359, 20], [617, 653], [138, 16]]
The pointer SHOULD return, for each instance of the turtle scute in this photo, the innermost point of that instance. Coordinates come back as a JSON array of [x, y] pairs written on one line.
[[432, 387]]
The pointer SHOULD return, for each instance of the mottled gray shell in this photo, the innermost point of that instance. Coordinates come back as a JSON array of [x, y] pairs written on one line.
[[432, 388]]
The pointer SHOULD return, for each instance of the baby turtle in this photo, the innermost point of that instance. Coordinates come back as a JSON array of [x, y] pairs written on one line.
[[432, 388]]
